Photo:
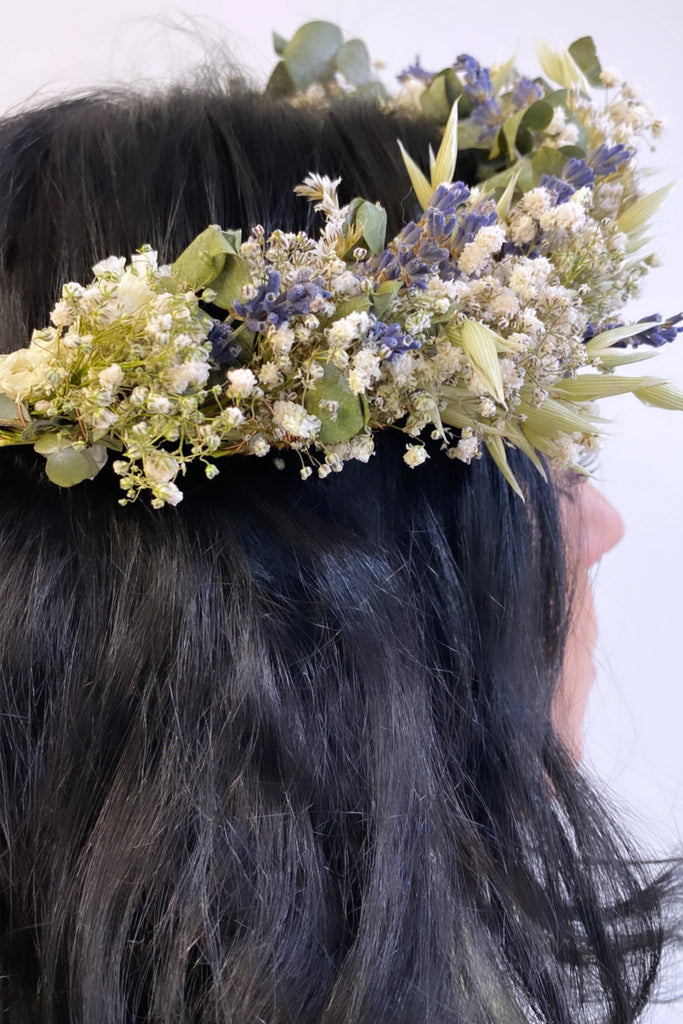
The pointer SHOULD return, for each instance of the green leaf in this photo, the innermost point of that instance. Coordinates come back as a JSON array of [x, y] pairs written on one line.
[[584, 53], [521, 169], [9, 412], [434, 100], [496, 447], [469, 136], [203, 260], [69, 466], [509, 129], [637, 214], [505, 202], [384, 296], [311, 53], [280, 85], [547, 161], [353, 60], [615, 357], [421, 186], [479, 345], [356, 304], [372, 220], [230, 282], [538, 116], [279, 43], [50, 442], [350, 415], [553, 417]]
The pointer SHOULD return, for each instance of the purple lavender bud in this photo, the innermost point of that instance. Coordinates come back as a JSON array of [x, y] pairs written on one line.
[[606, 159], [415, 71], [578, 173], [560, 191], [526, 92]]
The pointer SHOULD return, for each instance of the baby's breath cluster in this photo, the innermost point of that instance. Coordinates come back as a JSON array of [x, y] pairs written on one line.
[[489, 321]]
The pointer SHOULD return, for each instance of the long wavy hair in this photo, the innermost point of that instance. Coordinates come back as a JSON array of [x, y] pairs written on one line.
[[283, 754]]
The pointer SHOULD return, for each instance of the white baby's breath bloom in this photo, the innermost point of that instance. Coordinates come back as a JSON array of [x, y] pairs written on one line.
[[535, 202], [112, 266], [523, 229], [415, 455], [365, 370], [477, 253], [63, 314], [610, 77], [111, 377], [295, 419], [184, 375], [467, 448], [487, 408], [241, 383], [305, 472], [103, 419], [160, 467], [211, 471], [231, 418], [168, 494], [138, 395], [349, 328], [269, 375], [159, 404], [567, 216]]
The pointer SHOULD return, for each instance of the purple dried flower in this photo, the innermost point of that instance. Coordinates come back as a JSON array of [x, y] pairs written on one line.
[[270, 306], [606, 159], [578, 173], [560, 191]]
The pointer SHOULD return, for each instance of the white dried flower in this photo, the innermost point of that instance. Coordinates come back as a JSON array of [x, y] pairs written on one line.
[[295, 419], [415, 455], [111, 377], [241, 383]]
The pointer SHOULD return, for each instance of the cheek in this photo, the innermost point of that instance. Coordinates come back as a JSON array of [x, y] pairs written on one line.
[[579, 671]]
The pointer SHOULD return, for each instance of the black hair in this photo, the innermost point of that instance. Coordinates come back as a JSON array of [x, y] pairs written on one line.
[[285, 753]]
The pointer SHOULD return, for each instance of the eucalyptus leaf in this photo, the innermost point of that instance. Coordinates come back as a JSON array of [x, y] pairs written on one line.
[[9, 412], [521, 169], [355, 304], [384, 297], [547, 161], [538, 115], [353, 60], [470, 136], [203, 260], [230, 282], [349, 419], [279, 43], [311, 53], [434, 100], [372, 220], [46, 444], [70, 466], [280, 85], [584, 53]]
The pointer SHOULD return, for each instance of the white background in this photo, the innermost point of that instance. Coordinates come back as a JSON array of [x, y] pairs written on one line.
[[634, 728]]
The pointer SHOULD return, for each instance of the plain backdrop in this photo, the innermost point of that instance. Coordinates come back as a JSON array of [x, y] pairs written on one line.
[[633, 741]]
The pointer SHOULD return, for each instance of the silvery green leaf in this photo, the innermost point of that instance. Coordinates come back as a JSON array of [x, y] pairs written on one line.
[[355, 304], [353, 60], [384, 296], [538, 116], [9, 412], [46, 444], [280, 85], [422, 187], [230, 282], [521, 169], [69, 466], [561, 67], [584, 53], [350, 416], [203, 260], [547, 161], [372, 220], [470, 136], [434, 100], [311, 52], [279, 43]]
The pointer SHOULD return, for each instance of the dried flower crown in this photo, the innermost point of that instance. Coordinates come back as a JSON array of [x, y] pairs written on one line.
[[492, 320]]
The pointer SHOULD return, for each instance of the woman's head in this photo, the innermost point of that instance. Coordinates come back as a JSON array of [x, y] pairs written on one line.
[[285, 752]]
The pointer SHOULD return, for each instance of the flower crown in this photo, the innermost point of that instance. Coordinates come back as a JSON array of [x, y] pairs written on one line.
[[492, 320]]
